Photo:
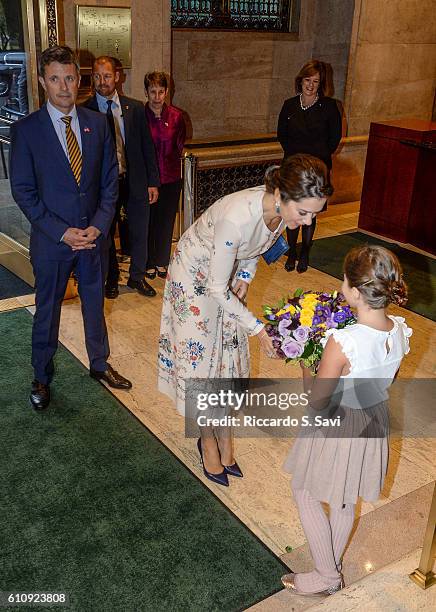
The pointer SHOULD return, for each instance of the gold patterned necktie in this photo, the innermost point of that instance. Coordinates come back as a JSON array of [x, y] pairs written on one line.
[[74, 153]]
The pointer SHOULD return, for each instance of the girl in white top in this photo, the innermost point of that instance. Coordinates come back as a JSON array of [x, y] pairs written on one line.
[[338, 470]]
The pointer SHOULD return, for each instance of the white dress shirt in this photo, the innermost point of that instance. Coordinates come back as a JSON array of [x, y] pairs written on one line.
[[117, 113], [60, 127]]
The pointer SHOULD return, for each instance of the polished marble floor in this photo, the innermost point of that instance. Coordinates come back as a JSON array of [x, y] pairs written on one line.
[[262, 499]]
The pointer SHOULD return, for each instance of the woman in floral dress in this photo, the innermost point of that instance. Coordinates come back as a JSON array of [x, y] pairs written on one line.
[[205, 324]]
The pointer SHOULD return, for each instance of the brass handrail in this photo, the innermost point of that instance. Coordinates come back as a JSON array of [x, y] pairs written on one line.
[[424, 576]]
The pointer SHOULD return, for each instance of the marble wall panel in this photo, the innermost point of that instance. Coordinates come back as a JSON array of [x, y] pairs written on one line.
[[402, 21], [307, 20], [421, 61], [233, 59], [179, 56], [334, 19], [151, 36], [202, 100], [288, 57], [379, 100], [347, 173], [256, 62], [392, 63], [249, 98], [382, 62], [244, 125]]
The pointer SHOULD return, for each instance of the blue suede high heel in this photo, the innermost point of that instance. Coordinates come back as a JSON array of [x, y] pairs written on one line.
[[234, 470], [217, 478]]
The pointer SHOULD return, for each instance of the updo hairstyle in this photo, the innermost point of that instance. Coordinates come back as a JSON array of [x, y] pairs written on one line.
[[298, 177], [377, 274]]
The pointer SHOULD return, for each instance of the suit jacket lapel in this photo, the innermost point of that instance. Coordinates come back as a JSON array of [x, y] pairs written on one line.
[[92, 103], [86, 137], [54, 145], [127, 117]]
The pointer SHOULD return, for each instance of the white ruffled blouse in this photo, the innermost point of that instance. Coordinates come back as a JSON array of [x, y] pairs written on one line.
[[373, 354]]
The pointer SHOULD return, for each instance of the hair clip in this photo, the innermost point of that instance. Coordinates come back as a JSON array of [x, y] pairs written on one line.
[[366, 282]]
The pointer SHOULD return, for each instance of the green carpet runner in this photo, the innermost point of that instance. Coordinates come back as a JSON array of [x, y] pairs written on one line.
[[95, 506]]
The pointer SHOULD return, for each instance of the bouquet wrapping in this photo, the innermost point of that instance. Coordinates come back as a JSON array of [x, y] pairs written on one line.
[[299, 323]]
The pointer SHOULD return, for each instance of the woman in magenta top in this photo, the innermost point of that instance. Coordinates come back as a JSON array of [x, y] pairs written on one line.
[[168, 131]]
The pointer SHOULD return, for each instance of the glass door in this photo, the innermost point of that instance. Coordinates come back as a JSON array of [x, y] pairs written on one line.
[[19, 95]]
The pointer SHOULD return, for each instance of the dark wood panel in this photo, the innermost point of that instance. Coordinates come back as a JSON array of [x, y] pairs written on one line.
[[399, 189]]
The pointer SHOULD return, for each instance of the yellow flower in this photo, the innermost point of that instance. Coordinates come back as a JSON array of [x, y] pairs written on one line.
[[306, 320], [291, 309]]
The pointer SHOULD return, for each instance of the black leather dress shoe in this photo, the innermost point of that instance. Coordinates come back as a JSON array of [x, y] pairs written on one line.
[[111, 292], [111, 377], [39, 395], [141, 287]]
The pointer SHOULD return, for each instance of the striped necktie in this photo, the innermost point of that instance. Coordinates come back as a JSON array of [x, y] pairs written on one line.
[[74, 154]]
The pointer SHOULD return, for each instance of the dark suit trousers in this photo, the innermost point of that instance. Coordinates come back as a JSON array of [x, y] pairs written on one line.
[[138, 214], [162, 217], [51, 278], [114, 269]]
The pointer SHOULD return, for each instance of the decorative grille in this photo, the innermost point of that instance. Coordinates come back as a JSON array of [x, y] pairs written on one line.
[[265, 15]]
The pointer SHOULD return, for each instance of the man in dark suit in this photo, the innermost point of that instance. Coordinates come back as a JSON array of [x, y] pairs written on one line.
[[64, 177], [137, 167]]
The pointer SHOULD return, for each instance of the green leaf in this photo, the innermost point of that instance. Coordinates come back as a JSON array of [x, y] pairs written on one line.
[[308, 350], [298, 292]]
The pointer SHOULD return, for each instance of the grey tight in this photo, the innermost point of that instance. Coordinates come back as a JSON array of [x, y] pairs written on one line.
[[327, 538]]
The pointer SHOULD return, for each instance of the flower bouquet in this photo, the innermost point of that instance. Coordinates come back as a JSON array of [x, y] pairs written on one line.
[[298, 324]]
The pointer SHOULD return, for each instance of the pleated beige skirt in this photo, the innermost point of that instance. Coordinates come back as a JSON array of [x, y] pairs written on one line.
[[339, 470]]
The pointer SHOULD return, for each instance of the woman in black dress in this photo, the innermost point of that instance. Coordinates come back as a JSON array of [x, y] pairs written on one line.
[[310, 123]]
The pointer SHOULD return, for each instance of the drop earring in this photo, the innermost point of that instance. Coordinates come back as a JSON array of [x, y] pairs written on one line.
[[277, 204]]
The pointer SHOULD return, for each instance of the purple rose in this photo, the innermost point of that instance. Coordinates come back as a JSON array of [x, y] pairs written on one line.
[[291, 348], [284, 327], [301, 334]]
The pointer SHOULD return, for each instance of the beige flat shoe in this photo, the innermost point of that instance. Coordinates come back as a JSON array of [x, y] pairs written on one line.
[[288, 583]]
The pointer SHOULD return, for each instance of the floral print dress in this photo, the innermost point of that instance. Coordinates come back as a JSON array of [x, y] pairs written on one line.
[[204, 326]]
